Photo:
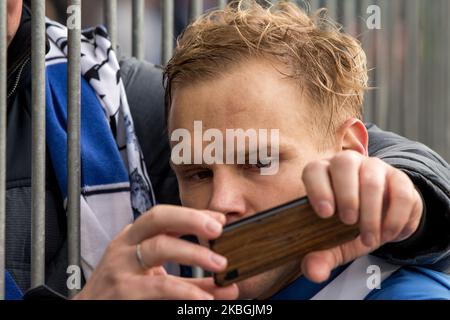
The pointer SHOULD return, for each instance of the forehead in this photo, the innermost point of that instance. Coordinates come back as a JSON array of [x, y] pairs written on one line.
[[254, 94]]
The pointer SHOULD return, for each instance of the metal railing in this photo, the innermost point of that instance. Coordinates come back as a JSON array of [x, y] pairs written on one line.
[[410, 75], [3, 106]]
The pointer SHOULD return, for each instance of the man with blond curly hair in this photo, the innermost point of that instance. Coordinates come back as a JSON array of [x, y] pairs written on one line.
[[224, 49], [255, 67]]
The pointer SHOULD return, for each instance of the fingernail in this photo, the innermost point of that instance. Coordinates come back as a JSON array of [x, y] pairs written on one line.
[[213, 226], [218, 260], [349, 216], [369, 239], [325, 209]]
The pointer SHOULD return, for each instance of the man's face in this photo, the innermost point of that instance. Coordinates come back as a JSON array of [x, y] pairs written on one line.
[[14, 14], [253, 95]]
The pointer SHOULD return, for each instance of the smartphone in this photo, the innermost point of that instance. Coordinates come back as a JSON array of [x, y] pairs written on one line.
[[274, 237]]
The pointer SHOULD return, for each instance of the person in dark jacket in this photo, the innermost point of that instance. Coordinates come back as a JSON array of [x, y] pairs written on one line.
[[275, 63], [429, 244]]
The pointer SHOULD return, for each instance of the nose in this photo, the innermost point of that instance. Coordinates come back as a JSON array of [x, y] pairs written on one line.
[[228, 195]]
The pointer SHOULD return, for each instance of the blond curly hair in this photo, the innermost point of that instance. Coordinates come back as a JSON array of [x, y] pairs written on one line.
[[328, 64]]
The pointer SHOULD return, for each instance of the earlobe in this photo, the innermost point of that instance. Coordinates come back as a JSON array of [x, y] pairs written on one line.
[[353, 135]]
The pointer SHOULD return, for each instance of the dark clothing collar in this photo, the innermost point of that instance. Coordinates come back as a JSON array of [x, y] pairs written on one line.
[[20, 47]]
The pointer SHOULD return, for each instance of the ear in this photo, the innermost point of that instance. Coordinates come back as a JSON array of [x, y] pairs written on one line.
[[352, 135]]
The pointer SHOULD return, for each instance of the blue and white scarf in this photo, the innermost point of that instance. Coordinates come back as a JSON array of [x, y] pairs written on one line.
[[115, 185]]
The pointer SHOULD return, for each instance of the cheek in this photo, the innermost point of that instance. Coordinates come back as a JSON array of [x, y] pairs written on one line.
[[14, 14], [196, 197], [285, 186]]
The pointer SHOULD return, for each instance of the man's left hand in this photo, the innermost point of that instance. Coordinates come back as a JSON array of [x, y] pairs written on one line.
[[364, 190]]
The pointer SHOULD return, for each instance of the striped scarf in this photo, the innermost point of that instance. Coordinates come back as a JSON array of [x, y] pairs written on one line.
[[115, 187]]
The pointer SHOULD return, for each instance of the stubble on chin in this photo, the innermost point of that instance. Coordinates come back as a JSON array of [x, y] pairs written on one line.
[[262, 286]]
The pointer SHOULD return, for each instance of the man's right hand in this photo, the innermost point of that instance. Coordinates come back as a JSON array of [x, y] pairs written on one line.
[[119, 274]]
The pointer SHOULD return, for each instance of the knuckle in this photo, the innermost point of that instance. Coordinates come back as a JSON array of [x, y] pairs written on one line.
[[310, 175], [410, 228], [114, 279], [370, 180], [312, 167], [155, 212], [339, 257], [161, 286], [403, 195], [375, 162], [345, 158], [155, 245], [394, 227], [370, 225], [348, 202]]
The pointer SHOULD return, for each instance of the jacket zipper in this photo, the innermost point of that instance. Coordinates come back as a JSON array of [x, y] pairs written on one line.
[[19, 74]]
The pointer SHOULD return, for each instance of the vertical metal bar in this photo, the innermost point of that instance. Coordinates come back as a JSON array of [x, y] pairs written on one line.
[[195, 9], [138, 29], [393, 111], [314, 5], [382, 70], [368, 43], [441, 86], [332, 6], [3, 71], [167, 30], [197, 272], [38, 143], [223, 3], [110, 7], [447, 133], [73, 135], [412, 75], [349, 16]]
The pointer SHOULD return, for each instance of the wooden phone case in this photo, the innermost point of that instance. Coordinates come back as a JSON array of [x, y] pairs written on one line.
[[273, 237]]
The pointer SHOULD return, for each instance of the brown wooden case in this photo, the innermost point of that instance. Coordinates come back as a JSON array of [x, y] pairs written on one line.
[[276, 236]]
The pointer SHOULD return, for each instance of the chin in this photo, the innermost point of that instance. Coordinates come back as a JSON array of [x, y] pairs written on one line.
[[262, 286]]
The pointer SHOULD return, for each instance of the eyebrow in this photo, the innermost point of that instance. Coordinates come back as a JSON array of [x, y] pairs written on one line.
[[283, 148]]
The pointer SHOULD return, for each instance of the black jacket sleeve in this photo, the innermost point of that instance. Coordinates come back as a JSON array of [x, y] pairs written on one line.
[[430, 245], [430, 173]]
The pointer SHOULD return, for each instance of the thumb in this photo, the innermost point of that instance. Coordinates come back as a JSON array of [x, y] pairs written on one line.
[[317, 265]]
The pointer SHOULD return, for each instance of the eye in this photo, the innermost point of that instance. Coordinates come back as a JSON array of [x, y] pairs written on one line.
[[198, 175], [259, 164]]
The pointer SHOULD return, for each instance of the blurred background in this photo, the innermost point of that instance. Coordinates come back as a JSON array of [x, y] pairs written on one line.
[[409, 55]]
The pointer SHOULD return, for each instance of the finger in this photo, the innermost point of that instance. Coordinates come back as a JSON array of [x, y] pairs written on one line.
[[372, 184], [401, 202], [220, 217], [230, 292], [167, 287], [317, 182], [344, 171], [174, 219], [317, 266], [162, 248], [414, 220]]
